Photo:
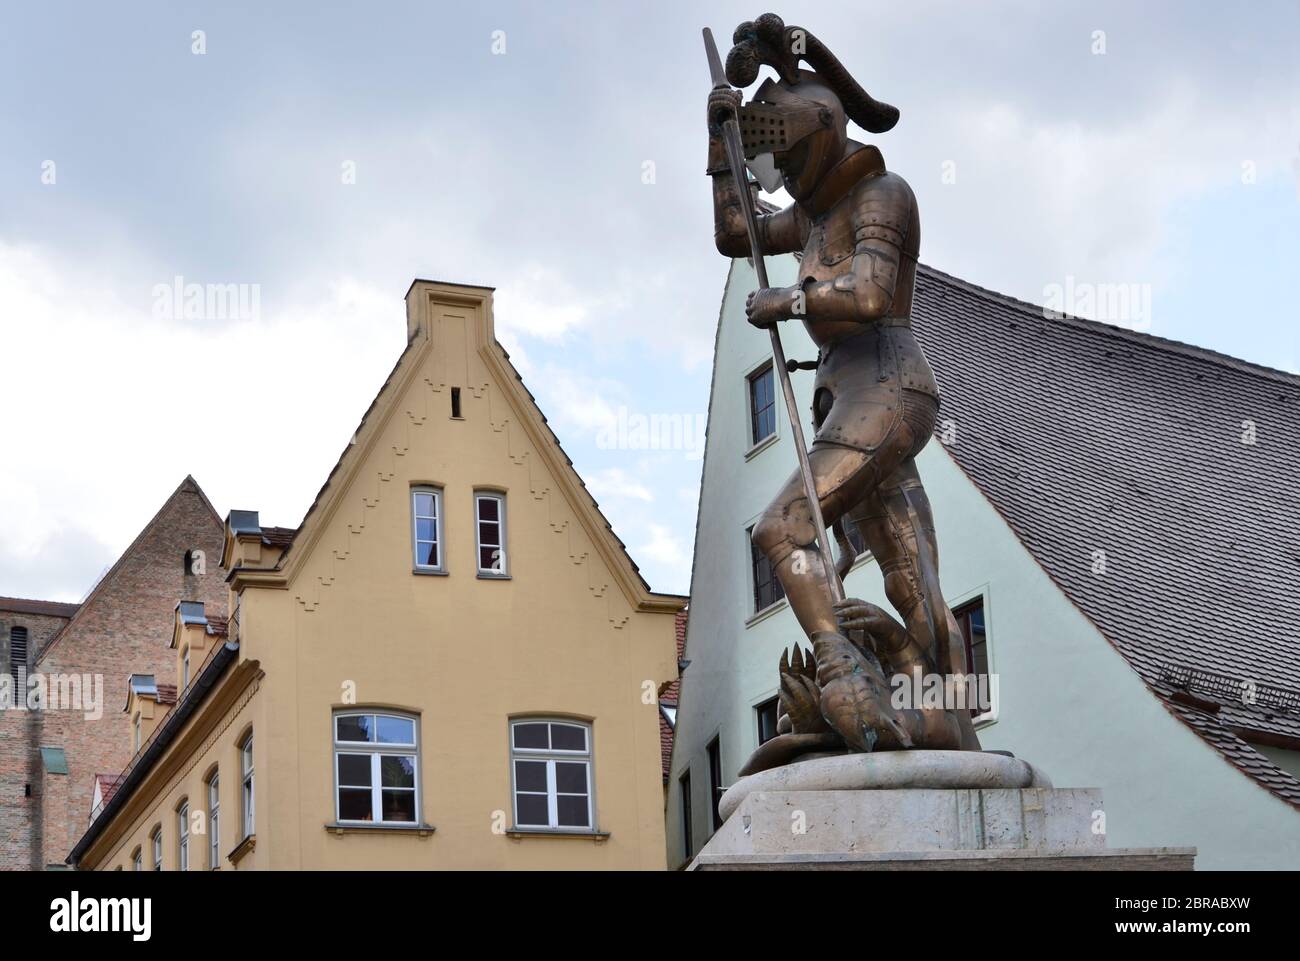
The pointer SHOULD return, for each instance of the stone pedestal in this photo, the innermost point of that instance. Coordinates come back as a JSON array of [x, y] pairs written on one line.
[[917, 810]]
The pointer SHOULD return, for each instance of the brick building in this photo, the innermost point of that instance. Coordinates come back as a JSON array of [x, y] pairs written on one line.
[[81, 655], [26, 627]]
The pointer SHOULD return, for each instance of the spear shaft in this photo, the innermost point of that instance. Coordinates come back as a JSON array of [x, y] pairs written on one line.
[[736, 160]]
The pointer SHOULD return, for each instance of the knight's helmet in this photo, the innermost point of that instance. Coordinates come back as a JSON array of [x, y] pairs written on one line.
[[800, 119]]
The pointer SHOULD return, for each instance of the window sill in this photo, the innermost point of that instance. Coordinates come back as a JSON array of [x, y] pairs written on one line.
[[766, 612], [486, 576], [521, 833], [420, 830], [761, 446], [242, 848], [428, 571]]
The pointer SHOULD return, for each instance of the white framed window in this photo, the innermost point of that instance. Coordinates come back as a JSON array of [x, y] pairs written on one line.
[[490, 528], [550, 770], [761, 385], [137, 860], [426, 529], [155, 842], [135, 732], [185, 667], [214, 822], [183, 836], [246, 783], [376, 767]]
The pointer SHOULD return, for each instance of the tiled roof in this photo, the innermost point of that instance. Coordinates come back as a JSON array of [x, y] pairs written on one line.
[[669, 697], [1237, 752], [166, 693], [279, 536], [217, 625], [22, 605], [108, 785], [1088, 438]]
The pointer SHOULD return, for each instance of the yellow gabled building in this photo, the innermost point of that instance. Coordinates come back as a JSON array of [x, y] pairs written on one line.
[[451, 663]]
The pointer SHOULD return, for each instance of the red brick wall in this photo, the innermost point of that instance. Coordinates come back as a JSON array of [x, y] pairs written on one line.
[[124, 628], [19, 754]]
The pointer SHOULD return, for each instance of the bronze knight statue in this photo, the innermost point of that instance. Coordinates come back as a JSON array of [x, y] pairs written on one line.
[[875, 399]]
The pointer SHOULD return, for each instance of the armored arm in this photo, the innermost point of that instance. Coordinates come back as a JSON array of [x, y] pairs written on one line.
[[885, 228], [778, 233]]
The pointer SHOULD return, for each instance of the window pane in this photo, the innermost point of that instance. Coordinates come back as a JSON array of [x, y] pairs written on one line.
[[424, 505], [489, 558], [767, 587], [354, 770], [531, 736], [530, 775], [572, 811], [487, 509], [354, 805], [426, 529], [396, 770], [570, 777], [426, 554], [489, 534], [355, 727], [762, 406], [395, 730], [399, 805], [532, 810], [568, 737]]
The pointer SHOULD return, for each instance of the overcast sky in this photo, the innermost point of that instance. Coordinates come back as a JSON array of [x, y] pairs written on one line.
[[1163, 151]]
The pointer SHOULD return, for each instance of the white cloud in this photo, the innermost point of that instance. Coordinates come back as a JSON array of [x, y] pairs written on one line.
[[616, 482], [664, 548], [540, 302], [108, 408]]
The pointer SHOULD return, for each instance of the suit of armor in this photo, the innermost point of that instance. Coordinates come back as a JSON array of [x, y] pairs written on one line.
[[874, 407]]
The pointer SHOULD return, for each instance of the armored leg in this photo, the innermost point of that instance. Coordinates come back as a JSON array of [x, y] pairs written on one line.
[[843, 477], [897, 523]]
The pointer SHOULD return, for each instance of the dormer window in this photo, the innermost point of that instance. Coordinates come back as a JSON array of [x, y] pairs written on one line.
[[135, 732], [185, 667]]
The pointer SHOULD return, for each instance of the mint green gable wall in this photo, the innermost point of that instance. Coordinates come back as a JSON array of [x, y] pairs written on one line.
[[1066, 700]]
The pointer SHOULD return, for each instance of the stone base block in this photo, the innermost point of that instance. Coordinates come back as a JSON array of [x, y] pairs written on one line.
[[1116, 859], [925, 829]]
